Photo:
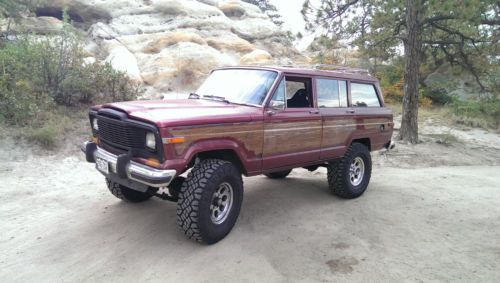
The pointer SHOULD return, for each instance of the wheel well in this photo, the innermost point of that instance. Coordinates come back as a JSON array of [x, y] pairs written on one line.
[[222, 154], [365, 141]]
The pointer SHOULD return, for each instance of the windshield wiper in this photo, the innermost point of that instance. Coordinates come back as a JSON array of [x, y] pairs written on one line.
[[193, 95], [218, 98]]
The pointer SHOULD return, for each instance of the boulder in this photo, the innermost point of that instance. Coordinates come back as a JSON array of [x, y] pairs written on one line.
[[232, 8], [181, 66], [78, 10], [186, 8], [171, 45], [257, 56], [123, 60], [255, 29], [172, 38], [230, 43], [37, 25]]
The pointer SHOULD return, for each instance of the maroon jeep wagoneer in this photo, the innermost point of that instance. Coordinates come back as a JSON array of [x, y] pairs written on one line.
[[241, 121]]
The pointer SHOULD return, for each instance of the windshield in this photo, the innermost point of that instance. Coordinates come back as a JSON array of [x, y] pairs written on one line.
[[238, 85]]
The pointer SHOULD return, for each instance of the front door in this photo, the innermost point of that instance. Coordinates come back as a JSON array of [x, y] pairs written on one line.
[[292, 125]]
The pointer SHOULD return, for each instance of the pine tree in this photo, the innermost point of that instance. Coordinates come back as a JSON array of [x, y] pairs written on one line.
[[463, 32], [269, 9]]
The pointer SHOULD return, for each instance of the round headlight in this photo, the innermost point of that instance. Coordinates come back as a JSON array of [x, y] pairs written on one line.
[[151, 140], [94, 124]]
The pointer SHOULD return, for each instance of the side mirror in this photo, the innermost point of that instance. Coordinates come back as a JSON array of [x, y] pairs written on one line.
[[277, 105]]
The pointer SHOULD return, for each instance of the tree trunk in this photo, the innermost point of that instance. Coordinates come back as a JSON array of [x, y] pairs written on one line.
[[412, 45]]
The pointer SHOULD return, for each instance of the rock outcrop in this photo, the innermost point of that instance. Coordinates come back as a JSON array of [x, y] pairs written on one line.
[[170, 45]]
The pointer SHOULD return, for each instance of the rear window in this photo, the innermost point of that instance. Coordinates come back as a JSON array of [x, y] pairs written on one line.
[[364, 95], [331, 93]]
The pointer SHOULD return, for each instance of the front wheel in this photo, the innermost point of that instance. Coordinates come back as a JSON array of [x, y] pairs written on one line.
[[349, 176], [210, 201]]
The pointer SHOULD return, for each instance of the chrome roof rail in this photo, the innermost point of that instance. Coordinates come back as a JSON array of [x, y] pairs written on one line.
[[329, 68]]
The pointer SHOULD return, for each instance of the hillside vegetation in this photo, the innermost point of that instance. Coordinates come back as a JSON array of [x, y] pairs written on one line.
[[41, 76]]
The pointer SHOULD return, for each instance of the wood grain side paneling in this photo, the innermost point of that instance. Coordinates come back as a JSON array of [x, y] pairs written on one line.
[[337, 132], [288, 137], [247, 135]]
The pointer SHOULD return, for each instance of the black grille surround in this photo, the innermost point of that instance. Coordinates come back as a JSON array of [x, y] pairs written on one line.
[[120, 134]]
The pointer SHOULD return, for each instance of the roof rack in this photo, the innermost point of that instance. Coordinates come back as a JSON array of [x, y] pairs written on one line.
[[331, 68]]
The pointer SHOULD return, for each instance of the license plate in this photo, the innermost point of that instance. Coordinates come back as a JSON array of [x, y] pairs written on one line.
[[102, 165]]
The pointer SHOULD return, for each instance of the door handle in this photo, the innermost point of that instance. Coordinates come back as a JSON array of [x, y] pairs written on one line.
[[271, 112], [314, 111], [351, 111]]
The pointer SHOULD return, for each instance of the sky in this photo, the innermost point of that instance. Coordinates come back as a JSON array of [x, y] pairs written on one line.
[[290, 11], [293, 20]]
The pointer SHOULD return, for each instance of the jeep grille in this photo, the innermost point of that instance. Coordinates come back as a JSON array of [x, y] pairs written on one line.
[[118, 134]]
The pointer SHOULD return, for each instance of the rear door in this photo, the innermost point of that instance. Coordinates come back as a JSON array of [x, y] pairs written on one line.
[[292, 125], [338, 120]]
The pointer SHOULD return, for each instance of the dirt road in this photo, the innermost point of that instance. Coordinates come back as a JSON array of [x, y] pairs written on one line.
[[59, 224]]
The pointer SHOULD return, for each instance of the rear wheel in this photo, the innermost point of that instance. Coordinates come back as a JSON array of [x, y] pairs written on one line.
[[125, 193], [210, 201], [279, 175], [349, 176]]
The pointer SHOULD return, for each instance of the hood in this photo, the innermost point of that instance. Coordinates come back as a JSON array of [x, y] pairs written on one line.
[[184, 112]]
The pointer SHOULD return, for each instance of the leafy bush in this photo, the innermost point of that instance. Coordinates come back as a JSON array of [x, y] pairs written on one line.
[[391, 82], [438, 96], [36, 73], [483, 113]]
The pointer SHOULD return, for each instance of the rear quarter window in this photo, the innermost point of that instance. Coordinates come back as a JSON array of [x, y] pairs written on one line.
[[364, 95]]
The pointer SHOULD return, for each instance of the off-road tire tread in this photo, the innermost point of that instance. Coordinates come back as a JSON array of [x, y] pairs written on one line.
[[192, 191], [337, 181], [125, 193]]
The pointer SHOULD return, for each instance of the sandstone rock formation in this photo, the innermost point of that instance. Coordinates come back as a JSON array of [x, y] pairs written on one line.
[[170, 45]]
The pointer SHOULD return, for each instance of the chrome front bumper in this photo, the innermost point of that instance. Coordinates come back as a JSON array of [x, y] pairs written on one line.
[[130, 169]]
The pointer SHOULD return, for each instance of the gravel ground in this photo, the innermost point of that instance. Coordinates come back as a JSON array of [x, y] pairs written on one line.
[[59, 224]]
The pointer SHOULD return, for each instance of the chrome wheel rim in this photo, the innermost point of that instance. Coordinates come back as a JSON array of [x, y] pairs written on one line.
[[222, 202], [357, 171]]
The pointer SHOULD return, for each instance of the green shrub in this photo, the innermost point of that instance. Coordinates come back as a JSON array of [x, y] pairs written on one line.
[[482, 113], [391, 82], [36, 73], [49, 129], [438, 96], [46, 136]]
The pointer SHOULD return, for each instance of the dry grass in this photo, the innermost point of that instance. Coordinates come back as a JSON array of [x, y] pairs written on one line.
[[53, 129]]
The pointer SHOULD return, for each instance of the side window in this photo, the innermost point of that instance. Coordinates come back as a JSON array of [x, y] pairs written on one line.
[[364, 95], [298, 92], [331, 93], [278, 100]]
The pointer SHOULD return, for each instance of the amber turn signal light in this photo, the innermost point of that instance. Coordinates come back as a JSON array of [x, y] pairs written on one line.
[[174, 140], [153, 162]]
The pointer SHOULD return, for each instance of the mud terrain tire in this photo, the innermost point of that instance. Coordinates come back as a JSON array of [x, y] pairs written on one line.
[[175, 186], [125, 193], [279, 175], [210, 201], [349, 176]]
